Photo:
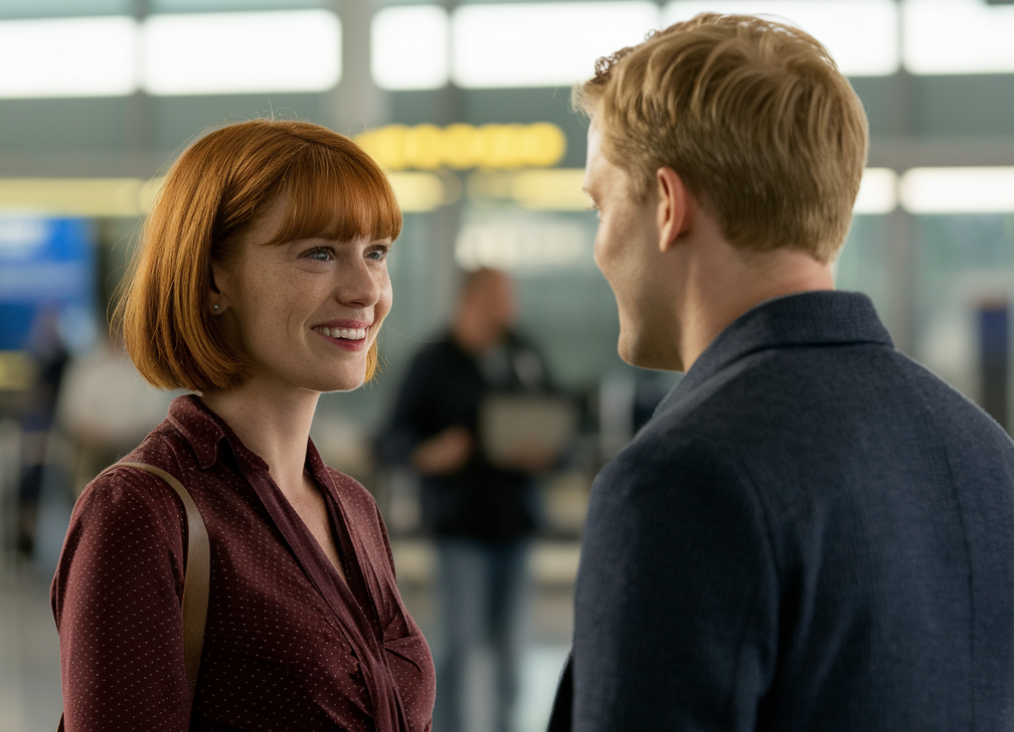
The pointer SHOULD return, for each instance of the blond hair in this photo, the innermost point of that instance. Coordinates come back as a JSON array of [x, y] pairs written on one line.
[[755, 118], [211, 198]]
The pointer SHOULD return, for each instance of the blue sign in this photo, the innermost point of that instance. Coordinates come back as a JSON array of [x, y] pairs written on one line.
[[44, 263], [46, 260]]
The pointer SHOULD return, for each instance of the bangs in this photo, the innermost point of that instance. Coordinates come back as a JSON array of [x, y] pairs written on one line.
[[339, 197]]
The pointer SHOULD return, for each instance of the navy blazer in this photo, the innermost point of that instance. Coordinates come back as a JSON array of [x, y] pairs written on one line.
[[813, 532]]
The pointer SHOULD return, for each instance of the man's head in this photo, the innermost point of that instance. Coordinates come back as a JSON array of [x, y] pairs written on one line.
[[486, 309], [753, 116]]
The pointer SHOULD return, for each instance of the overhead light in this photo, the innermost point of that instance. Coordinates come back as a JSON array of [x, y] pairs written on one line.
[[958, 190], [558, 189], [418, 192], [236, 53], [68, 57], [958, 37], [130, 197], [410, 47], [542, 44], [522, 245], [149, 192], [73, 196], [860, 35], [878, 192]]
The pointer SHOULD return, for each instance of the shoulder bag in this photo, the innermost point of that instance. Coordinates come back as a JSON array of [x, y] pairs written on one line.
[[197, 578]]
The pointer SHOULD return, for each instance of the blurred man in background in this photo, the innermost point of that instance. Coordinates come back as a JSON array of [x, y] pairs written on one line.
[[481, 509], [812, 532], [46, 348]]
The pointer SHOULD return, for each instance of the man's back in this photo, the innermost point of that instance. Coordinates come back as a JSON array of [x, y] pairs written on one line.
[[813, 532]]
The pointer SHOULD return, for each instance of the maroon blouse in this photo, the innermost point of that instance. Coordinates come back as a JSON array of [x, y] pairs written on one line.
[[288, 645]]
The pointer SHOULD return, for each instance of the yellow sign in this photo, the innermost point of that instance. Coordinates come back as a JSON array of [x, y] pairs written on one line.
[[463, 146]]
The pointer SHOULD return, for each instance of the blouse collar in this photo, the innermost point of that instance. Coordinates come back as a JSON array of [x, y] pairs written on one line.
[[204, 431]]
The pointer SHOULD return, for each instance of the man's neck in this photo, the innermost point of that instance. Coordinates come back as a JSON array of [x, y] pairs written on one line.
[[725, 283]]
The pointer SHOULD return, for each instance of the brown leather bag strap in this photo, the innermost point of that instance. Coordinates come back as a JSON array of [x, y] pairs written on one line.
[[197, 577]]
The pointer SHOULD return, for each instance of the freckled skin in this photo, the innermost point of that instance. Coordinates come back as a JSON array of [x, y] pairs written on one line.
[[272, 296]]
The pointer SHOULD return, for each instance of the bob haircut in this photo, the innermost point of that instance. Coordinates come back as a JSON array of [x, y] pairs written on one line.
[[210, 199], [753, 115]]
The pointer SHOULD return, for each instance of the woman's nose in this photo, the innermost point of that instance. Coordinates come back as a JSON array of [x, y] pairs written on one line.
[[357, 283]]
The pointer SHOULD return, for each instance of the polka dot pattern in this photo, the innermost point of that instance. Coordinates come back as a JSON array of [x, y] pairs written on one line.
[[288, 644]]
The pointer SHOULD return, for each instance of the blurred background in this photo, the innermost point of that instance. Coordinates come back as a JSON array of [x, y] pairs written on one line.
[[466, 105]]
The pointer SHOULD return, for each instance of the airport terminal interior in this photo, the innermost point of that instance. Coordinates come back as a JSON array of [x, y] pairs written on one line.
[[466, 106]]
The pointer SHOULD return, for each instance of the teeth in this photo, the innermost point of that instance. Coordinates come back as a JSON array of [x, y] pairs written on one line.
[[351, 334]]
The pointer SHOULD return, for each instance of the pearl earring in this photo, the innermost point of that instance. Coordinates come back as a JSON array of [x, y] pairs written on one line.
[[215, 307]]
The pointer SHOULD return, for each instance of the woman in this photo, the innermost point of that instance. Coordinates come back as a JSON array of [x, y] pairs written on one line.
[[261, 283]]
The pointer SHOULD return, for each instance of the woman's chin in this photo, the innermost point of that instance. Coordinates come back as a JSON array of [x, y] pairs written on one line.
[[342, 382], [348, 387]]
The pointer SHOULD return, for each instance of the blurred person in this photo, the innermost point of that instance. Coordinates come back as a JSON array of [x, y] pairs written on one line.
[[261, 283], [46, 349], [482, 512], [812, 532], [106, 408]]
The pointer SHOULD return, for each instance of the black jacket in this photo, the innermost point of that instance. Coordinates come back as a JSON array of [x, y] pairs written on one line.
[[813, 532], [444, 387]]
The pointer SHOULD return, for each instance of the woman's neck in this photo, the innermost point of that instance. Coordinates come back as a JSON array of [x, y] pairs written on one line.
[[272, 423]]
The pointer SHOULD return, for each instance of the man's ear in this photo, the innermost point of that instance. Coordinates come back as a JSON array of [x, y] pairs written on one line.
[[675, 208]]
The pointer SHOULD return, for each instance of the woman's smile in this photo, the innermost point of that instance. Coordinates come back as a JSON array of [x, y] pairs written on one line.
[[350, 335]]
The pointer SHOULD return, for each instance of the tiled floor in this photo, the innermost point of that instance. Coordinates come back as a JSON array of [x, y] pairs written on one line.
[[29, 656], [30, 663], [549, 631]]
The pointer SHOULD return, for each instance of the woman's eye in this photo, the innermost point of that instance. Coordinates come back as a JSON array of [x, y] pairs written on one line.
[[319, 255], [377, 255]]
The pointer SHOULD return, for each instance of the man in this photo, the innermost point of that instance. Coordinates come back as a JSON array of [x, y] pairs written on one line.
[[812, 532], [480, 510]]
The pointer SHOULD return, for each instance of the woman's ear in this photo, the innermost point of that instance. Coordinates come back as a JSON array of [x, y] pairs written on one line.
[[218, 298], [676, 207]]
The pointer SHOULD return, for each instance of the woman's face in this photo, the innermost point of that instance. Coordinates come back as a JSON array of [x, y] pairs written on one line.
[[305, 312]]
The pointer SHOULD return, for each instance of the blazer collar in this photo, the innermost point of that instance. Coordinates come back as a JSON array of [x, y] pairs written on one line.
[[816, 318]]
